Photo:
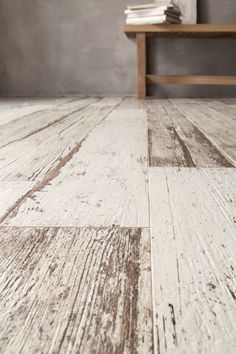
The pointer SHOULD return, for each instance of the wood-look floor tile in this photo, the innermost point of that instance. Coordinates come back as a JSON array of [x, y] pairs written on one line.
[[220, 129], [193, 229], [24, 127], [228, 110], [37, 149], [103, 182], [176, 142], [11, 193], [75, 291], [13, 109]]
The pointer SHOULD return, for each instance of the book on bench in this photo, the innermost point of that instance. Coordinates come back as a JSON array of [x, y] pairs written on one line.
[[152, 14], [142, 6], [153, 20]]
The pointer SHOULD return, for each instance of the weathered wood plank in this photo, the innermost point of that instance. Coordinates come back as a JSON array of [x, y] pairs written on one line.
[[109, 101], [228, 110], [190, 100], [228, 101], [226, 107], [17, 102], [28, 125], [175, 141], [10, 192], [43, 149], [11, 109], [164, 146], [193, 228], [75, 291], [102, 182], [221, 130]]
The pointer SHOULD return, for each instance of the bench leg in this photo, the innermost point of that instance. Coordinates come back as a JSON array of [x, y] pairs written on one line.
[[141, 64]]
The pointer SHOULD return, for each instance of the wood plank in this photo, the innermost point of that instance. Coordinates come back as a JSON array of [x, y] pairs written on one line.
[[228, 110], [141, 65], [195, 144], [228, 101], [165, 148], [75, 290], [189, 31], [191, 100], [42, 150], [101, 182], [219, 130], [11, 102], [11, 109], [175, 141], [28, 125], [193, 227], [110, 101], [191, 79], [10, 192]]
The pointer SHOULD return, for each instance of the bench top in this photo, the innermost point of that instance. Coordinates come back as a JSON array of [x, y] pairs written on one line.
[[189, 31]]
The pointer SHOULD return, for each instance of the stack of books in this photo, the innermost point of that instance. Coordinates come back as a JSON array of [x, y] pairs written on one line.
[[152, 14]]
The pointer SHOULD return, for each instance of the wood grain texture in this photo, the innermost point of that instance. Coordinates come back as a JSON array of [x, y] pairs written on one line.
[[184, 31], [49, 140], [191, 79], [10, 192], [15, 108], [141, 65], [221, 130], [84, 162], [31, 124], [193, 228], [228, 101], [175, 141], [75, 291], [102, 182], [222, 109]]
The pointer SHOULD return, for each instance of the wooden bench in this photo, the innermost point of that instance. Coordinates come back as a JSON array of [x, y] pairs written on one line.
[[141, 32]]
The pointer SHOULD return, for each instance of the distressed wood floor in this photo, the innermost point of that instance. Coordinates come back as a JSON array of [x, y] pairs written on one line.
[[117, 226]]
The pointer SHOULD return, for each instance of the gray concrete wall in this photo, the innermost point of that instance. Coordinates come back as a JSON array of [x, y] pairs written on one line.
[[57, 47]]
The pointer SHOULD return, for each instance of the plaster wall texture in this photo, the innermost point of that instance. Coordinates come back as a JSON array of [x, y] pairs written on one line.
[[58, 47]]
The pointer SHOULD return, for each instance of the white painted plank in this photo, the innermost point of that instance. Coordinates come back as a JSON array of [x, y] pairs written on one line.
[[211, 109], [44, 149], [75, 291], [193, 228], [228, 101], [10, 192], [221, 131], [12, 109], [198, 150], [108, 101], [28, 125], [104, 183], [173, 139], [228, 110], [225, 106], [164, 146], [189, 101]]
